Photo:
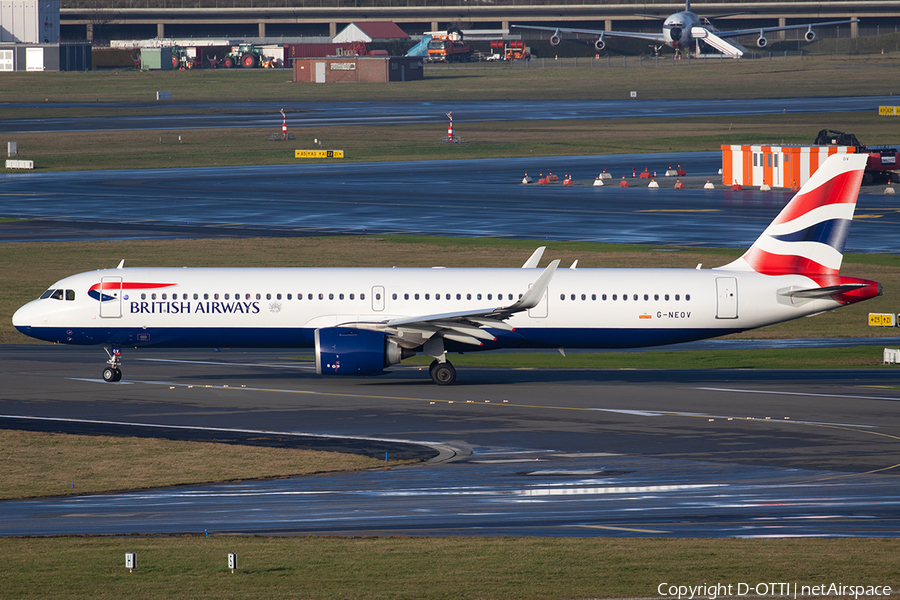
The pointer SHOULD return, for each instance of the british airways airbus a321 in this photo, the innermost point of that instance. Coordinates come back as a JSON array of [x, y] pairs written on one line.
[[362, 321]]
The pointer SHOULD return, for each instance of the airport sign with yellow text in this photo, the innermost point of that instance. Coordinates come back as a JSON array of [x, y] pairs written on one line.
[[318, 154], [882, 320], [889, 111]]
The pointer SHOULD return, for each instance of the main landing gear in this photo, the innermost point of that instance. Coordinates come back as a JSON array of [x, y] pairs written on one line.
[[112, 373], [442, 373]]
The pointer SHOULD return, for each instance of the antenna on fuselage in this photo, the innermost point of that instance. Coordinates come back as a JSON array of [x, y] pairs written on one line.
[[121, 264]]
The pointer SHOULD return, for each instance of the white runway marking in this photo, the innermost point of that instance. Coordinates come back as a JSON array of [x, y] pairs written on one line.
[[741, 391]]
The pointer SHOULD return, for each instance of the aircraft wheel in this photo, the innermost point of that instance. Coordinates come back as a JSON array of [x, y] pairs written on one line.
[[118, 375], [442, 373], [109, 374]]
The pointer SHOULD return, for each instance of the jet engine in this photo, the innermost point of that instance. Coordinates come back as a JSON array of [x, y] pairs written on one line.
[[762, 42], [600, 45], [555, 39], [351, 351], [810, 36]]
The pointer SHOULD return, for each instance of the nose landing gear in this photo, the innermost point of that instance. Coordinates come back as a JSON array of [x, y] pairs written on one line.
[[112, 373]]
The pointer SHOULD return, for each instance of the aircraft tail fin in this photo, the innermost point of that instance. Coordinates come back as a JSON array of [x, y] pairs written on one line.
[[808, 235]]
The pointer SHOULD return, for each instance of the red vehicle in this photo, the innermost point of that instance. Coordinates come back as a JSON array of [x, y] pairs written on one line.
[[449, 47]]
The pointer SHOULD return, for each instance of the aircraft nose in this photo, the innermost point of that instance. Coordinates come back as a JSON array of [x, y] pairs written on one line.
[[675, 32], [22, 317]]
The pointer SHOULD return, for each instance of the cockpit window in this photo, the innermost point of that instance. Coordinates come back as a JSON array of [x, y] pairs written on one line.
[[57, 294], [46, 294], [70, 295]]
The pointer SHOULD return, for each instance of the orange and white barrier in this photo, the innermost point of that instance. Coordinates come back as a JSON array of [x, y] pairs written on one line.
[[775, 166]]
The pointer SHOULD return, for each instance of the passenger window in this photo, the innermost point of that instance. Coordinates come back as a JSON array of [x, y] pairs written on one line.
[[603, 297], [562, 296], [447, 297], [677, 297], [583, 297], [614, 297], [490, 296], [635, 297], [646, 297], [143, 296], [593, 296], [666, 297], [624, 297], [340, 296], [428, 296], [278, 296], [259, 296], [269, 296], [459, 296], [70, 295], [362, 296], [352, 296], [288, 296], [226, 296], [406, 296], [206, 296], [478, 296], [215, 296], [656, 296], [437, 296], [687, 297], [331, 296], [416, 296], [153, 296], [310, 297], [321, 296], [468, 296], [393, 296]]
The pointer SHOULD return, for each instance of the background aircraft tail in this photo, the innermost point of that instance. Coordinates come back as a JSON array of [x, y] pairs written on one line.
[[808, 236]]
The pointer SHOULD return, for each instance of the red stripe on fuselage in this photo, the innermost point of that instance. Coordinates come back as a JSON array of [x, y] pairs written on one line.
[[115, 285]]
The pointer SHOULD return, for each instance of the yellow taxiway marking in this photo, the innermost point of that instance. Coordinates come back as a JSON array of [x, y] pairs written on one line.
[[677, 210], [633, 529]]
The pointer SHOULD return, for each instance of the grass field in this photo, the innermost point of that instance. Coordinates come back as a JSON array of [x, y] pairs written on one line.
[[173, 149], [870, 74], [314, 568], [51, 464]]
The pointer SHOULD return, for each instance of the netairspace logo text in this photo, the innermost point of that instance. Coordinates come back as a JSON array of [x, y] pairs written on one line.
[[780, 589]]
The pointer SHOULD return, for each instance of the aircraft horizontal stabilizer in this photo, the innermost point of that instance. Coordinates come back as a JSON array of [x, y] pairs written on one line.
[[821, 292]]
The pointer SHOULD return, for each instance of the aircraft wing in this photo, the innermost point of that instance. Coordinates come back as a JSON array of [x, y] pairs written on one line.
[[654, 37], [759, 30], [464, 326]]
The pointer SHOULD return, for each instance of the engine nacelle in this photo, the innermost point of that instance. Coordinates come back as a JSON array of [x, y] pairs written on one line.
[[810, 36], [555, 39], [351, 351], [599, 45], [762, 42]]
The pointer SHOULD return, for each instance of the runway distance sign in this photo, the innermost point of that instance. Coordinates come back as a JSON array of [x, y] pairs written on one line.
[[882, 320], [318, 154]]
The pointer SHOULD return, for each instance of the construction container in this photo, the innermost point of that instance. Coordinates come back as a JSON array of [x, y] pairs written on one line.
[[775, 166], [156, 59]]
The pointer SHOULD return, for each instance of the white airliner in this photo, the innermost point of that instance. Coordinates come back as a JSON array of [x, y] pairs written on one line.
[[684, 30], [361, 321]]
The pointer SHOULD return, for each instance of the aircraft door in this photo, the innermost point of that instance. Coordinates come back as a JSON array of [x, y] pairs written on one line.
[[110, 297], [378, 298], [539, 311], [727, 302]]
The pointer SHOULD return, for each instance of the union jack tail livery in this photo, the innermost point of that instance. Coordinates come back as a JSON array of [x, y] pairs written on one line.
[[807, 237]]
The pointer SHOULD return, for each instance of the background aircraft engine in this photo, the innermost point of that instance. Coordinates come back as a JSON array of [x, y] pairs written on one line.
[[599, 45], [762, 42], [810, 36], [349, 351], [554, 40]]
